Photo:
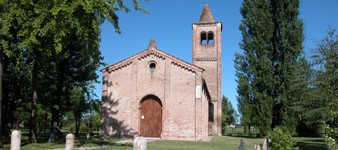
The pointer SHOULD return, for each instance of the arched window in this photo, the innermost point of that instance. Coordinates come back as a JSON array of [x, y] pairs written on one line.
[[210, 38], [203, 38], [207, 39]]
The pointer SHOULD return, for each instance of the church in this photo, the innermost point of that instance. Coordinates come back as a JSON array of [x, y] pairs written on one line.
[[154, 94]]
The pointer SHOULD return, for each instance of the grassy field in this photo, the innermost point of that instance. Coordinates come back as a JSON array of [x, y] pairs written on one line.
[[231, 143], [217, 143]]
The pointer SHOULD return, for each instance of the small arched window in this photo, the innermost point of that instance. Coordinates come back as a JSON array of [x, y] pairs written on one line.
[[207, 39], [203, 38], [210, 38]]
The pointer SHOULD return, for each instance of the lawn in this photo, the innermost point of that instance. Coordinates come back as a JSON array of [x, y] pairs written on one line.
[[217, 143]]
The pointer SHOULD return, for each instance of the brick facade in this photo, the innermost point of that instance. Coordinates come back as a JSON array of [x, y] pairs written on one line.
[[184, 90]]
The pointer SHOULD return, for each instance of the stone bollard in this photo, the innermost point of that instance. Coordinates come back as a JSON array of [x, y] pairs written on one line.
[[70, 142], [257, 147], [140, 143], [241, 145], [265, 144], [16, 140]]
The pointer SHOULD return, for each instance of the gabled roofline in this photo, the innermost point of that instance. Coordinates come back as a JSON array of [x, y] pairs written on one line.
[[159, 53]]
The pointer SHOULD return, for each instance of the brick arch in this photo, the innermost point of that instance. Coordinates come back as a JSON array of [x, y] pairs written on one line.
[[150, 116]]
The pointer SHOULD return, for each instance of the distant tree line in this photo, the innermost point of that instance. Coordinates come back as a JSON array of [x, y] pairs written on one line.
[[278, 85], [49, 52]]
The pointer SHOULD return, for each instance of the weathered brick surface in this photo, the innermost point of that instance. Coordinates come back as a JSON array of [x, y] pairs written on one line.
[[175, 82], [208, 56]]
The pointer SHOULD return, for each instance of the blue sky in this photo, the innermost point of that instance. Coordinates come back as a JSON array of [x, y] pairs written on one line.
[[170, 24]]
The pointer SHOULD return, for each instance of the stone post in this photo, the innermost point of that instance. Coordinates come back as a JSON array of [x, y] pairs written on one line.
[[257, 147], [265, 144], [70, 142], [16, 140], [140, 143], [241, 145]]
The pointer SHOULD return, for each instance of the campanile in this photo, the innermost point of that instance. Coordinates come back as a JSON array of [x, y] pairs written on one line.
[[206, 51]]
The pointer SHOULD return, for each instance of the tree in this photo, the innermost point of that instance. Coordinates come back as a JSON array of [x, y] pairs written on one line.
[[288, 60], [325, 61], [47, 30], [244, 97], [228, 114], [326, 67], [257, 30], [272, 45]]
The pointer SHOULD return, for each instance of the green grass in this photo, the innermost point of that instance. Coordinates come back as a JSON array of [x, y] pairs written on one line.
[[94, 143], [310, 143], [217, 143], [231, 143]]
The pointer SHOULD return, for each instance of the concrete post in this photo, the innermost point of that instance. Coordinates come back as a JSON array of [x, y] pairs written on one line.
[[16, 140], [70, 142]]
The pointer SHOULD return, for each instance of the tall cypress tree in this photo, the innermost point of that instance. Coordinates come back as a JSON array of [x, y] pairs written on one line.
[[272, 45]]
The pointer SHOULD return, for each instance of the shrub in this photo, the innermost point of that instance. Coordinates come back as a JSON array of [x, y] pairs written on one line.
[[281, 139], [331, 130]]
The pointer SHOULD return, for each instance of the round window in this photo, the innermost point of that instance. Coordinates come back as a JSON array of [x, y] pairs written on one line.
[[152, 65]]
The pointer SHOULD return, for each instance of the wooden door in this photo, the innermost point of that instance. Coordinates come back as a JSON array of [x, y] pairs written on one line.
[[151, 118]]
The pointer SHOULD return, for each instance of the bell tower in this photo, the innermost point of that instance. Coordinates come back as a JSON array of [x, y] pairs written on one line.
[[206, 53]]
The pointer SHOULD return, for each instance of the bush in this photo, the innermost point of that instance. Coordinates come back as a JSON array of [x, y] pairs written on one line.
[[331, 130], [281, 139]]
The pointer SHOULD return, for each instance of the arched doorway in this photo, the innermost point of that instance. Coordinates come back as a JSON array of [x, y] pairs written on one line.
[[150, 116]]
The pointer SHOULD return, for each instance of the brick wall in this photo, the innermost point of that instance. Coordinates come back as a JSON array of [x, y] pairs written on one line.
[[183, 116]]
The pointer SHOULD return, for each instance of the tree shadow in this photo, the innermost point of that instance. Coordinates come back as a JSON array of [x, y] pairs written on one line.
[[120, 129]]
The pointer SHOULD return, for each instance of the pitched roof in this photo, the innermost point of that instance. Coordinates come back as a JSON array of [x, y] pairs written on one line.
[[152, 50], [206, 15]]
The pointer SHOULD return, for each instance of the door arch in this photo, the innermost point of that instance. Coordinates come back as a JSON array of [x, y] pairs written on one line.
[[150, 116]]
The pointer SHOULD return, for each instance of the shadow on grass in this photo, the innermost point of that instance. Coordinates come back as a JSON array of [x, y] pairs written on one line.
[[99, 142], [314, 140], [310, 143], [311, 146], [245, 136]]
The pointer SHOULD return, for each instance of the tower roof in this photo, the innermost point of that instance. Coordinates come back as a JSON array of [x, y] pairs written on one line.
[[206, 15]]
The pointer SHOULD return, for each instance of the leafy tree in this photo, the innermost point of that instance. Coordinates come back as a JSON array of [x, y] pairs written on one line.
[[49, 34], [83, 104], [228, 114], [324, 106], [325, 62], [272, 45], [244, 97]]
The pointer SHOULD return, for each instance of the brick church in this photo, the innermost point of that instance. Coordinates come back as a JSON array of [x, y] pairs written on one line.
[[155, 94]]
